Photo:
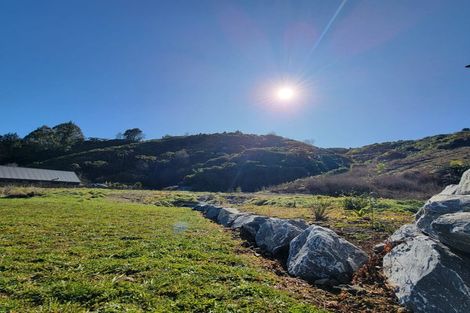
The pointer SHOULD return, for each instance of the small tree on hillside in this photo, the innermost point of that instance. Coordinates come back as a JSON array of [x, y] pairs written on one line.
[[134, 134], [41, 138], [68, 134]]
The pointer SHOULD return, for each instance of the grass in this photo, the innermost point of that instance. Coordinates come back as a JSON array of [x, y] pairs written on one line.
[[388, 215], [82, 250], [363, 230], [388, 211]]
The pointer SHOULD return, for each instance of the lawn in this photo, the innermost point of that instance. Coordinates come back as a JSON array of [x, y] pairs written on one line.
[[82, 250], [364, 229]]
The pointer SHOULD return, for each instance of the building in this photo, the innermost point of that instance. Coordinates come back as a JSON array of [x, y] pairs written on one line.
[[25, 175]]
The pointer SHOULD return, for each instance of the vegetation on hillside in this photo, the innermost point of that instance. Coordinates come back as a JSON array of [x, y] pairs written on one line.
[[215, 162], [401, 169], [237, 161]]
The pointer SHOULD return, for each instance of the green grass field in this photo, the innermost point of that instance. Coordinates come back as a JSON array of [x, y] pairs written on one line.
[[80, 250], [100, 250]]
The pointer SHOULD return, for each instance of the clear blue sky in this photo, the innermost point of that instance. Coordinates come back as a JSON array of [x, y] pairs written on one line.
[[378, 71]]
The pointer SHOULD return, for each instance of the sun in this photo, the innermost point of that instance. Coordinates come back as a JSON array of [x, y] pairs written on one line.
[[286, 93]]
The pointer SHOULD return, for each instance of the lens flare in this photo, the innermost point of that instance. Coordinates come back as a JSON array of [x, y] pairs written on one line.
[[286, 93]]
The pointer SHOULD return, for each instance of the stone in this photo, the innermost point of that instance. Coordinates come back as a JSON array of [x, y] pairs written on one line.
[[201, 207], [464, 185], [242, 220], [249, 229], [227, 216], [298, 222], [463, 188], [212, 212], [379, 248], [453, 230], [440, 205], [319, 253], [450, 190], [428, 277], [406, 232], [275, 235]]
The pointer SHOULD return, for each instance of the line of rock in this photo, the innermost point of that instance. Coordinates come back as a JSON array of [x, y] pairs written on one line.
[[313, 253], [429, 264]]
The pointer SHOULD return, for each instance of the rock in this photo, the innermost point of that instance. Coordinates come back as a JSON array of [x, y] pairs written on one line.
[[454, 198], [227, 216], [249, 229], [428, 277], [453, 230], [464, 185], [450, 190], [319, 253], [298, 222], [274, 236], [406, 232], [379, 248], [440, 205], [242, 220], [201, 207], [212, 212]]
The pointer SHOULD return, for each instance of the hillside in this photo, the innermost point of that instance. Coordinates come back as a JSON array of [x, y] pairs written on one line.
[[237, 161], [411, 168], [216, 162]]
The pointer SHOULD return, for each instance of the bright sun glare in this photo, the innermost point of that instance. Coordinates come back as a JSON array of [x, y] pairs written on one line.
[[286, 93]]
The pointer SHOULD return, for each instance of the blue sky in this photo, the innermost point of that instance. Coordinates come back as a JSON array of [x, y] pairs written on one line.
[[383, 70]]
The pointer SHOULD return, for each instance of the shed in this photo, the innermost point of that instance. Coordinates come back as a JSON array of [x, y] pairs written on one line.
[[35, 175]]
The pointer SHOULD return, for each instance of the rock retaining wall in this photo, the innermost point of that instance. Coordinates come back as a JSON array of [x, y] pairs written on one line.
[[310, 252]]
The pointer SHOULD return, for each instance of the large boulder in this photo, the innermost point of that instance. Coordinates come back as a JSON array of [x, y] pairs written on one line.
[[428, 277], [275, 235], [249, 229], [450, 190], [439, 205], [464, 185], [453, 230], [463, 188], [212, 212], [201, 207], [227, 216], [242, 220], [319, 253], [453, 199], [406, 232], [298, 222]]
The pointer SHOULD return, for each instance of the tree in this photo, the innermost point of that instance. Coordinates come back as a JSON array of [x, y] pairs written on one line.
[[42, 138], [68, 134], [9, 144], [10, 139], [134, 134]]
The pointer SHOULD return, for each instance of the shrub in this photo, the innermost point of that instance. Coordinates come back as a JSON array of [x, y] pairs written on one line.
[[355, 203], [19, 192], [320, 212], [360, 205]]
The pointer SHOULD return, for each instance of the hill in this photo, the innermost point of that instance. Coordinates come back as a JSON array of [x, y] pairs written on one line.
[[214, 162], [237, 161], [405, 168]]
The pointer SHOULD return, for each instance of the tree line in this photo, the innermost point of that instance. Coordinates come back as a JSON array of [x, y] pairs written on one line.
[[46, 141]]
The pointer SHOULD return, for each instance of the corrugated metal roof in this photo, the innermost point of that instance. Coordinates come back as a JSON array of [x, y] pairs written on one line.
[[36, 174]]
